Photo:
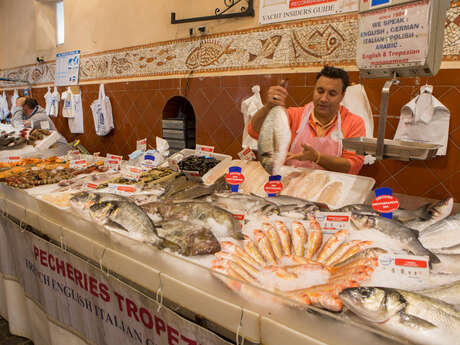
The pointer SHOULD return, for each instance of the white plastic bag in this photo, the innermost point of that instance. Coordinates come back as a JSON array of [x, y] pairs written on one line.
[[102, 113], [76, 121], [13, 100], [249, 107], [4, 110], [67, 108], [54, 106]]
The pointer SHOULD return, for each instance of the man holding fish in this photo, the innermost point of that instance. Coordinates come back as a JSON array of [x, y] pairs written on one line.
[[317, 129]]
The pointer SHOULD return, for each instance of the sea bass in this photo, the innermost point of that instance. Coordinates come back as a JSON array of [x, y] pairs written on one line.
[[125, 215], [242, 203], [449, 293], [418, 318], [274, 140], [437, 211], [445, 233], [395, 230]]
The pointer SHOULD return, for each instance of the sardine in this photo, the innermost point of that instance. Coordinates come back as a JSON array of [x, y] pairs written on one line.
[[445, 233], [395, 230], [274, 140], [418, 318], [126, 215]]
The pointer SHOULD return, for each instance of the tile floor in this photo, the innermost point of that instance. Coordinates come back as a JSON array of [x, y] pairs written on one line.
[[7, 339]]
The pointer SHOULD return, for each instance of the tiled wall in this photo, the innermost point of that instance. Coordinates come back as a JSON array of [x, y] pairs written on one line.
[[138, 106]]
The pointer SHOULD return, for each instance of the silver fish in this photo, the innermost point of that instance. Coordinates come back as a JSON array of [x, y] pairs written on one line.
[[126, 216], [274, 140], [407, 237], [428, 212], [436, 211], [242, 203], [220, 221], [415, 317], [445, 233], [448, 264], [447, 250], [84, 200], [449, 293]]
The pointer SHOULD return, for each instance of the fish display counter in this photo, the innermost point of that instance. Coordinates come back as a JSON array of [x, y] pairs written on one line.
[[274, 270]]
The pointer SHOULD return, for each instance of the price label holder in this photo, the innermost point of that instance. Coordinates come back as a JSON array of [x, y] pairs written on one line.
[[194, 175], [331, 222], [405, 266], [131, 172], [247, 155], [121, 189], [91, 185], [14, 159], [149, 161], [385, 203], [273, 186], [135, 154], [239, 218], [78, 164], [113, 162], [141, 145], [234, 178], [204, 151]]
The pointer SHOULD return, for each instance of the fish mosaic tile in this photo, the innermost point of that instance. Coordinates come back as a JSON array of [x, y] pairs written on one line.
[[311, 42]]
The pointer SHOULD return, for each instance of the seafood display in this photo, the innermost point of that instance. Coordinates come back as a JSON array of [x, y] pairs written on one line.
[[281, 245]]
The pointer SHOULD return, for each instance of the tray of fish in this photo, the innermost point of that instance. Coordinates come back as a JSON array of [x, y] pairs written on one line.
[[206, 167]]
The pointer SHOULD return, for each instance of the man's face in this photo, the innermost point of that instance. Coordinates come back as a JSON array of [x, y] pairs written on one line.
[[327, 96], [27, 110]]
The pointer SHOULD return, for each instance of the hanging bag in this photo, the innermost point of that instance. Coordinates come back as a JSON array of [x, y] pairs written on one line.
[[102, 113]]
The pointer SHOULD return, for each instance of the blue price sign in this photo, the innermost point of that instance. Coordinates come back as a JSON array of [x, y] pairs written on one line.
[[380, 2]]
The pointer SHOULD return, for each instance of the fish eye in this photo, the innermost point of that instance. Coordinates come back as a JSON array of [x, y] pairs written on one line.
[[365, 292]]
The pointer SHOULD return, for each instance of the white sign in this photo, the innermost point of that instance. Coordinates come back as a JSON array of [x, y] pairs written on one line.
[[84, 299], [67, 68], [394, 37], [141, 145], [122, 189], [331, 222], [275, 11], [407, 266], [204, 151], [131, 172], [247, 154], [78, 164]]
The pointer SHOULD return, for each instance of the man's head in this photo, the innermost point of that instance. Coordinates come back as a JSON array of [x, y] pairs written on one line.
[[29, 106], [330, 87]]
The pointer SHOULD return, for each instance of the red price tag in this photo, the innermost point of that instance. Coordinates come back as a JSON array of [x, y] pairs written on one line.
[[238, 216], [385, 204], [273, 187], [234, 178], [411, 263]]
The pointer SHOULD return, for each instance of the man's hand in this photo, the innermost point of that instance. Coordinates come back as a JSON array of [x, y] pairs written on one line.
[[20, 101], [277, 95], [308, 154]]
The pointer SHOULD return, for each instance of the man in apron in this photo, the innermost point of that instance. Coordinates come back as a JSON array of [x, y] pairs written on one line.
[[318, 127]]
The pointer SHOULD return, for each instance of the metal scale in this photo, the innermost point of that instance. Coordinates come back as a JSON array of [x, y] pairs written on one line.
[[398, 38]]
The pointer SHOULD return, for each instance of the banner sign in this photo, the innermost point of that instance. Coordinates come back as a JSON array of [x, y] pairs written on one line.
[[95, 305], [276, 11], [67, 68]]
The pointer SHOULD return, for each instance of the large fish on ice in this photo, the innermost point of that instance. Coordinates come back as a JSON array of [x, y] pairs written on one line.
[[274, 140]]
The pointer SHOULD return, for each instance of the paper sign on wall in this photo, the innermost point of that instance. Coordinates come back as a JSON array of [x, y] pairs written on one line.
[[67, 68]]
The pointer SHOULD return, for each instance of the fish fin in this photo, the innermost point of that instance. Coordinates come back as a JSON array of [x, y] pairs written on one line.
[[252, 57], [114, 226], [414, 321]]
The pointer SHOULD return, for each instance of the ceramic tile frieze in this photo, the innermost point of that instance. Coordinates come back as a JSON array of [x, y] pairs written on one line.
[[308, 43]]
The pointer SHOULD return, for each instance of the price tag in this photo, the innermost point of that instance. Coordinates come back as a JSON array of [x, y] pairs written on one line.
[[122, 189], [131, 172], [44, 125], [78, 164], [234, 178], [90, 185], [385, 203], [240, 218], [332, 222], [114, 157], [14, 159], [273, 186], [405, 266], [247, 154], [173, 164], [113, 164], [141, 145], [195, 175], [148, 162], [204, 151]]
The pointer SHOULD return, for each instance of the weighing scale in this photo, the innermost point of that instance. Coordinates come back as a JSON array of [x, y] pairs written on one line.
[[398, 38]]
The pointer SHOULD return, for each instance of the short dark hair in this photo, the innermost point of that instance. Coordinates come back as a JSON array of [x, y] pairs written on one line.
[[335, 73], [31, 102]]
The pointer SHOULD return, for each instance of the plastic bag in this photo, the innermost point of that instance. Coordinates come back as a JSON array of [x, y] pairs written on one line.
[[102, 113], [249, 107]]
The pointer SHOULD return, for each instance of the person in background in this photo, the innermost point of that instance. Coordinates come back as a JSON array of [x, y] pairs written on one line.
[[28, 113], [317, 128]]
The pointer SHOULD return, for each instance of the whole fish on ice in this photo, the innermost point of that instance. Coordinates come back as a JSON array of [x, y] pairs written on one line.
[[445, 233]]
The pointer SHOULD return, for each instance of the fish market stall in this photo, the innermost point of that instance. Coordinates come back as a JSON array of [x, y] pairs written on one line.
[[279, 269]]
